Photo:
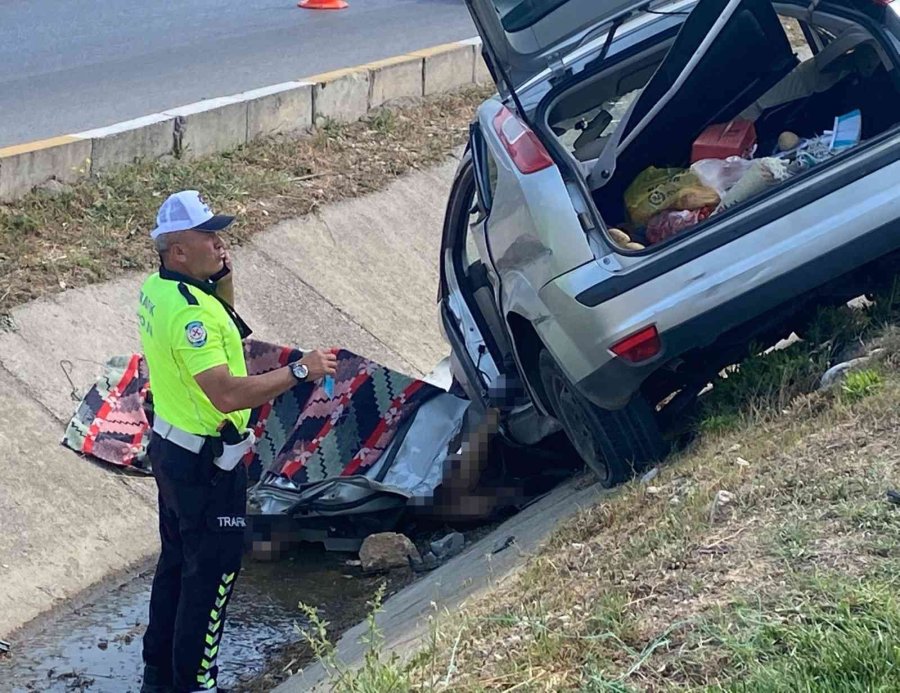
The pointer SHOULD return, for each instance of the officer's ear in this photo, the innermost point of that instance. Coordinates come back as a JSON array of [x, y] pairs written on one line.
[[176, 247]]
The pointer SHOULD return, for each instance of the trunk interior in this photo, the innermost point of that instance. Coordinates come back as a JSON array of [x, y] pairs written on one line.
[[759, 108]]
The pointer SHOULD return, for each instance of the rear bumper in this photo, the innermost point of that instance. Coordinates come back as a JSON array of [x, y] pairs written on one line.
[[694, 303], [609, 384]]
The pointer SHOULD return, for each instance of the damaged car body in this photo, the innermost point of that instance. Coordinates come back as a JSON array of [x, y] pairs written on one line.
[[655, 187]]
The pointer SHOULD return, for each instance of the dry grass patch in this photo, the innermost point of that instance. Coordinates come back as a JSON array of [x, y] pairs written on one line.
[[98, 228], [679, 585]]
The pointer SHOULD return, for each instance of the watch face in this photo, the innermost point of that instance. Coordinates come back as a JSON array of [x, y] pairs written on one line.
[[300, 371]]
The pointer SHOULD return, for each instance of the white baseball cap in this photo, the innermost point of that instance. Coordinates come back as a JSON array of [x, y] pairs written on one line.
[[187, 210]]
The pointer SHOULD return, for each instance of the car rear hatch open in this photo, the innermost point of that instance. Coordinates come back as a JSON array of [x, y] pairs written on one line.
[[523, 38], [724, 65], [719, 113], [727, 53]]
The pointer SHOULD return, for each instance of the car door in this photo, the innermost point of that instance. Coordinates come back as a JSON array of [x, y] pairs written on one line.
[[481, 355]]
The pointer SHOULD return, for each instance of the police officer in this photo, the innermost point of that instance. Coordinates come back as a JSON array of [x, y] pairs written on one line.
[[202, 396]]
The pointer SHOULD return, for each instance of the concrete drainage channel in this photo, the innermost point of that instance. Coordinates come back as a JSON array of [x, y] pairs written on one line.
[[97, 646], [99, 522], [73, 522], [94, 645], [327, 279]]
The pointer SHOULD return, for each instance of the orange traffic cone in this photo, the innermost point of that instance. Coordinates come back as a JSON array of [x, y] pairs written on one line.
[[322, 4]]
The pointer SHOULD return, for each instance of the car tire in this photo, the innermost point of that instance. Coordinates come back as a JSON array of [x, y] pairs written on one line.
[[614, 444]]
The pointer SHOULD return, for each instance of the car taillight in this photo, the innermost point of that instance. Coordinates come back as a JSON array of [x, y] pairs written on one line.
[[640, 346], [523, 146]]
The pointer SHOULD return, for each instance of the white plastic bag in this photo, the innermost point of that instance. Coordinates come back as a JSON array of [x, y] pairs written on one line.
[[762, 174], [721, 174]]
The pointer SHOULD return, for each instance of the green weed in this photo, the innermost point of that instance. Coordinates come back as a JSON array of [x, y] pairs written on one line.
[[384, 121], [860, 384], [717, 424], [378, 673]]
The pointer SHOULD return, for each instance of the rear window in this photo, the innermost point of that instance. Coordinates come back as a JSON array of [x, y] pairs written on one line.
[[516, 15]]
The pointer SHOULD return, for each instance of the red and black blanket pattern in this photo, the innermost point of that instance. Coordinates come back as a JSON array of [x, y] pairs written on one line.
[[304, 435], [111, 423]]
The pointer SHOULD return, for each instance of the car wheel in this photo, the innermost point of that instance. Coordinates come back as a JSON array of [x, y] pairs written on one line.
[[614, 444]]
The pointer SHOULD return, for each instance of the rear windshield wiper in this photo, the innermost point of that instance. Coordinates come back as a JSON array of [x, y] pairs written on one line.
[[614, 28], [610, 37], [611, 31]]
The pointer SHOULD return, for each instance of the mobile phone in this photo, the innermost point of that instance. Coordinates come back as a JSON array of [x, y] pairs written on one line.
[[221, 274]]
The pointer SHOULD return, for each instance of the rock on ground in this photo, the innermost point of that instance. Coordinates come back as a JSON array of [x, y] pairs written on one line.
[[54, 188], [387, 550], [837, 373], [449, 546]]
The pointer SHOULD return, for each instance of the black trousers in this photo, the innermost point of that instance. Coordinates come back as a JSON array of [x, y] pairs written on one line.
[[201, 526]]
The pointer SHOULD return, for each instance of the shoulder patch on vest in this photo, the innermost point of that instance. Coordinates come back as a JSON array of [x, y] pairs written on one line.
[[188, 296], [195, 333]]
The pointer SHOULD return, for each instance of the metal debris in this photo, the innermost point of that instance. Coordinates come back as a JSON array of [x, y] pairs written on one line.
[[503, 544], [650, 476]]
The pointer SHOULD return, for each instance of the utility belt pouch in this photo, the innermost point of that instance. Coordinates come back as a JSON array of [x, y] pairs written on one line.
[[232, 454]]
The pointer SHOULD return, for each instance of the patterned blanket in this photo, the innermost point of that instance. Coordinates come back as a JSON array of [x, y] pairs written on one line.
[[304, 435], [111, 423]]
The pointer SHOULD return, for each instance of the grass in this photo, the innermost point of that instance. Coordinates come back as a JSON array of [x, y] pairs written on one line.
[[859, 384], [97, 229], [771, 380], [791, 588], [764, 558], [377, 674], [846, 638]]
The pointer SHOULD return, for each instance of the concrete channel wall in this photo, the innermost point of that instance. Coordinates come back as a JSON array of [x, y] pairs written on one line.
[[317, 281], [407, 619], [321, 280], [227, 122]]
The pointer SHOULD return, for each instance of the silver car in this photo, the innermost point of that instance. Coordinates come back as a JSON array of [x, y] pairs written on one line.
[[566, 307]]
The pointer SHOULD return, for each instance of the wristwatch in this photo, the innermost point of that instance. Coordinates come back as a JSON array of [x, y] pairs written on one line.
[[299, 371]]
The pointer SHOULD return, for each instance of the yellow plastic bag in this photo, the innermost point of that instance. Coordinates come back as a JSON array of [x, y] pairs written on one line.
[[658, 189]]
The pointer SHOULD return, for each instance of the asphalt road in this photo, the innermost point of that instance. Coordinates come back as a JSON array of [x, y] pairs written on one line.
[[70, 66]]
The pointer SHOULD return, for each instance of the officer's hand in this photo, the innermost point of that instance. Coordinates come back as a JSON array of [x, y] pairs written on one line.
[[320, 363], [224, 277], [227, 271]]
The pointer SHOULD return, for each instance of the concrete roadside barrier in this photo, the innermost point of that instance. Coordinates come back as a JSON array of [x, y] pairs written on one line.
[[281, 108], [395, 78], [149, 137], [481, 74], [342, 95], [447, 67], [224, 123], [210, 126], [24, 166]]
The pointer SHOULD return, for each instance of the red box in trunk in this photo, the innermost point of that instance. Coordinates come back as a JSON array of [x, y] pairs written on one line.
[[735, 138]]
